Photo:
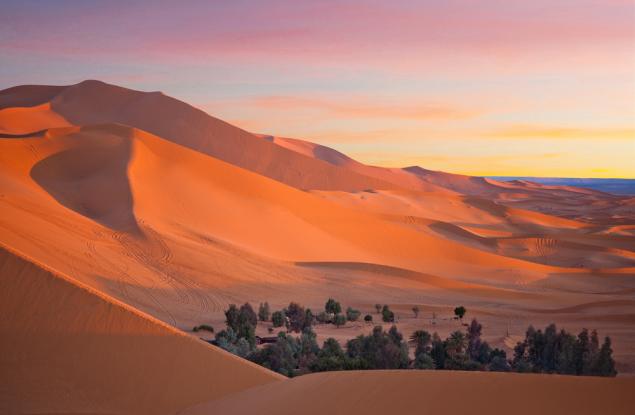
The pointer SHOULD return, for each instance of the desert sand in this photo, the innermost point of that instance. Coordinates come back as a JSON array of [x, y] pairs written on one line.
[[154, 208], [429, 392], [67, 348]]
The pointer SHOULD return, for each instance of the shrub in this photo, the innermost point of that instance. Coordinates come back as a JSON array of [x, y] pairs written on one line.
[[228, 340], [368, 318], [387, 315], [415, 311], [352, 314], [339, 320], [323, 318], [424, 361], [277, 318], [378, 308], [263, 311]]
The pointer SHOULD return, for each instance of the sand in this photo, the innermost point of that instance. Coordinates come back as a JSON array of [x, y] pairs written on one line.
[[154, 206], [429, 392], [67, 348]]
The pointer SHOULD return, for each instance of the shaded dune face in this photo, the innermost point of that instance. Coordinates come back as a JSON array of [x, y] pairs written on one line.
[[90, 177], [69, 349], [28, 95]]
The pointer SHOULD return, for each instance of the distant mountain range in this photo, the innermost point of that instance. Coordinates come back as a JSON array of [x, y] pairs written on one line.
[[616, 186]]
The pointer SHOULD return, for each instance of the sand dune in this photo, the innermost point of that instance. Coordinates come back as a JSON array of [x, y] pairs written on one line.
[[94, 102], [249, 210], [141, 203], [67, 348], [429, 392], [399, 177], [569, 202]]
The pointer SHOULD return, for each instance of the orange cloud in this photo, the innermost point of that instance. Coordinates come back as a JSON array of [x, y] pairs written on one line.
[[365, 108], [550, 132]]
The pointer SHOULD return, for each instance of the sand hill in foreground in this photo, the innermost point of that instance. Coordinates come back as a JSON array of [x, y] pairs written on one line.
[[429, 393], [67, 348]]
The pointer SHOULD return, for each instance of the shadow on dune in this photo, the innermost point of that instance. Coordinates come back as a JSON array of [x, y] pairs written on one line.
[[89, 176], [35, 134]]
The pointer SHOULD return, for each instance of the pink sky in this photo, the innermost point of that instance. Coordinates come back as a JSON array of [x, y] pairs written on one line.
[[544, 88]]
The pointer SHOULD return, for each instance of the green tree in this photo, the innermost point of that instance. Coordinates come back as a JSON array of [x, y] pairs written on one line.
[[277, 318], [422, 341], [248, 315], [604, 365], [280, 356], [297, 317], [332, 306], [330, 357], [308, 318], [460, 312], [231, 317], [263, 311], [565, 360], [499, 364], [474, 343], [242, 321], [380, 350], [438, 351]]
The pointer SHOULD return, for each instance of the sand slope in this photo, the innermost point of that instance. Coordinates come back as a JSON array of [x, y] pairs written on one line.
[[429, 392], [69, 349]]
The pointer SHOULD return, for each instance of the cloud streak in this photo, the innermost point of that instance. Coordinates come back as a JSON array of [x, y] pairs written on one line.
[[363, 108]]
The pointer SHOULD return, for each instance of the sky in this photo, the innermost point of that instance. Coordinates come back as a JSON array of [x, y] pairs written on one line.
[[489, 87]]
